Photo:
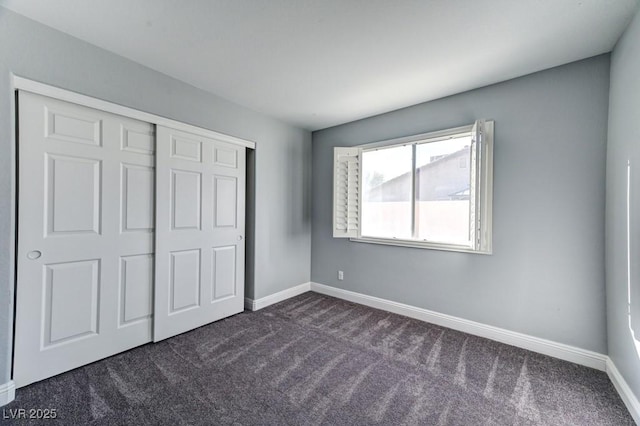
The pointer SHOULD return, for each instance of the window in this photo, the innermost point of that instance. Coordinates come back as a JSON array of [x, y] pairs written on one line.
[[432, 190]]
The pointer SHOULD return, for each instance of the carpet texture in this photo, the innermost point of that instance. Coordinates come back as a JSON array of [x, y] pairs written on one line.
[[318, 360]]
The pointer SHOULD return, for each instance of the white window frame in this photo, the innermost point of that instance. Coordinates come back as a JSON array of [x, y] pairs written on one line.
[[347, 214]]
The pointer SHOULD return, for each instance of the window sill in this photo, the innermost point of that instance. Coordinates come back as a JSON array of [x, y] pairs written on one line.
[[420, 245]]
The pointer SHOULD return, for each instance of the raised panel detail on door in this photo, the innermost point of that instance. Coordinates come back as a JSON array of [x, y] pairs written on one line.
[[225, 201], [186, 149], [227, 157], [73, 195], [73, 127], [186, 199], [137, 197], [185, 280], [136, 288], [71, 300], [141, 141], [224, 272]]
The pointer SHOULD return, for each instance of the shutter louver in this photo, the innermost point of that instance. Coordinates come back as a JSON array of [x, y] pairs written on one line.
[[346, 192]]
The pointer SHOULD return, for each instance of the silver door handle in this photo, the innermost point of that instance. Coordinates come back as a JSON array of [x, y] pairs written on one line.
[[33, 255], [239, 237]]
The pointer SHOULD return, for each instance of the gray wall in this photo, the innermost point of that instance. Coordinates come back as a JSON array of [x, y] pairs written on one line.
[[282, 158], [624, 145], [546, 276]]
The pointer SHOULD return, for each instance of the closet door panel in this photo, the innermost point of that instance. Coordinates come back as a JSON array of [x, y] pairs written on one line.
[[200, 212], [85, 236]]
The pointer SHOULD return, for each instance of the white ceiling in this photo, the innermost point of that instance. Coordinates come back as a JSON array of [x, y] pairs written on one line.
[[319, 63]]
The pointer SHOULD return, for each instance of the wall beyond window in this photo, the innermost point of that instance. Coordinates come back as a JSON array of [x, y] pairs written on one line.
[[546, 275], [623, 147]]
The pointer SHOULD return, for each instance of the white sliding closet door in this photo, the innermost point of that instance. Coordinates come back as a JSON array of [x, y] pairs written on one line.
[[85, 246], [200, 222]]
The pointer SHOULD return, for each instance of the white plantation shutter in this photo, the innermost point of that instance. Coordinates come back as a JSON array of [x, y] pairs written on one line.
[[481, 191], [346, 192], [474, 194]]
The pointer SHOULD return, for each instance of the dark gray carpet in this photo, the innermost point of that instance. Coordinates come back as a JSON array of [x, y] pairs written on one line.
[[314, 359]]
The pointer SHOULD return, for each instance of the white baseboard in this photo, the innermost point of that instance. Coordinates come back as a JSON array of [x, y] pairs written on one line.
[[535, 344], [629, 399], [256, 304], [7, 393]]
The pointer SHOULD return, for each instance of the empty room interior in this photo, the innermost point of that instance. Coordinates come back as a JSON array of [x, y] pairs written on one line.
[[325, 212]]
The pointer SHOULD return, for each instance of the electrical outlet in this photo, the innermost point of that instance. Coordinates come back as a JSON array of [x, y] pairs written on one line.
[[340, 275]]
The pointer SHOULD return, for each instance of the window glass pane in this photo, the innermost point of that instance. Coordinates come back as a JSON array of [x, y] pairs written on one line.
[[386, 185], [443, 176]]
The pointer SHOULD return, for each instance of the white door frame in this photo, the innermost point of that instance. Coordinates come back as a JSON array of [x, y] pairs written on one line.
[[21, 83]]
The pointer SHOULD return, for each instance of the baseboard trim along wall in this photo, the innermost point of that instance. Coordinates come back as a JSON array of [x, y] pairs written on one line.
[[257, 304], [625, 392], [7, 393], [535, 344]]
